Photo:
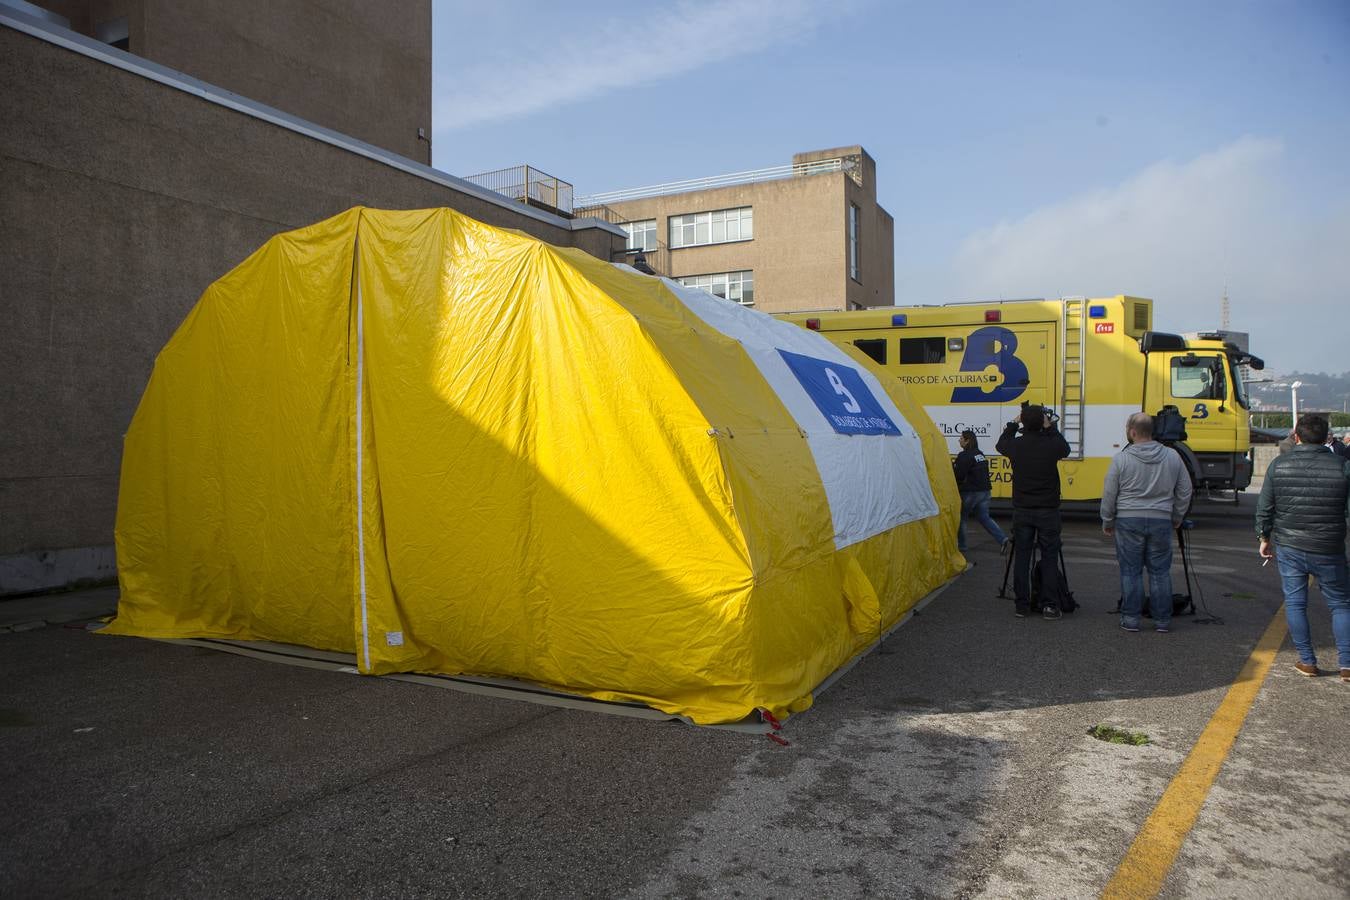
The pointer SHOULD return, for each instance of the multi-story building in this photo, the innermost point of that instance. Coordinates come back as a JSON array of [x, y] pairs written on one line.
[[805, 236], [148, 147]]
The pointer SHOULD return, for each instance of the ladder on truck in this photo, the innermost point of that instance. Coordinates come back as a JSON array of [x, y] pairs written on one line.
[[1072, 399]]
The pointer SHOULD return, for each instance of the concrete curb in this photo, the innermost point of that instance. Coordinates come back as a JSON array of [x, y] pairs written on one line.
[[40, 611]]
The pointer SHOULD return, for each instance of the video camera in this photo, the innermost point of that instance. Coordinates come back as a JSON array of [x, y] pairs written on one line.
[[1051, 417], [1169, 426]]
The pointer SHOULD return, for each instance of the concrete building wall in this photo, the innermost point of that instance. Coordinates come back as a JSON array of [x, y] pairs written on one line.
[[788, 215], [876, 239], [875, 284], [360, 68], [121, 200], [1262, 456], [799, 253]]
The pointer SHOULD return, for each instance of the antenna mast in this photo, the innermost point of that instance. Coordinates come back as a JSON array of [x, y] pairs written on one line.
[[1223, 316]]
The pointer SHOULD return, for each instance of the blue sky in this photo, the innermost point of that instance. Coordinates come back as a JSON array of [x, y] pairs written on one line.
[[1025, 149]]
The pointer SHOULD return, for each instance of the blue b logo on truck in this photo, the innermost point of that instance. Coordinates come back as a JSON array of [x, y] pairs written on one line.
[[994, 346], [841, 395]]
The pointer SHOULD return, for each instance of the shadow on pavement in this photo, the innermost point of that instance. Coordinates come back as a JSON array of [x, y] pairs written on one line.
[[144, 767], [968, 652]]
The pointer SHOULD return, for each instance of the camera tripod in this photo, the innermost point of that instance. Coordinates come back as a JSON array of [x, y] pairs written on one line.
[[1066, 601], [1183, 604]]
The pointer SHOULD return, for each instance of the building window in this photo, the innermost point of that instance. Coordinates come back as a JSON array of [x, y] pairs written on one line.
[[641, 235], [922, 351], [736, 286], [873, 347], [853, 242], [719, 227]]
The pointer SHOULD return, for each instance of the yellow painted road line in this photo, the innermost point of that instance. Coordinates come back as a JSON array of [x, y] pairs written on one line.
[[1150, 857]]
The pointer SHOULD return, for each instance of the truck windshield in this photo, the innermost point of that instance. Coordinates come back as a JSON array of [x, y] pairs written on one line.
[[1239, 386], [1198, 378]]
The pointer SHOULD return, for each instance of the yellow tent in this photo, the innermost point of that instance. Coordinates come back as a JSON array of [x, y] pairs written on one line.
[[447, 447]]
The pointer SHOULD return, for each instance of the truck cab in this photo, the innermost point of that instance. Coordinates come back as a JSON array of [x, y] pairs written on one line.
[[1202, 379]]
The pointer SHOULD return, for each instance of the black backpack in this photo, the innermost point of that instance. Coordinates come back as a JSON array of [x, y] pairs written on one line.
[[1064, 601]]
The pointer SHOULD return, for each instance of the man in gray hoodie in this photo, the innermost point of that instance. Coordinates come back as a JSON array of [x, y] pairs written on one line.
[[1145, 498]]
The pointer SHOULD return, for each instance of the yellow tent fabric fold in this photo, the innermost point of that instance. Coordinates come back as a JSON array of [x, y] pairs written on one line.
[[448, 447]]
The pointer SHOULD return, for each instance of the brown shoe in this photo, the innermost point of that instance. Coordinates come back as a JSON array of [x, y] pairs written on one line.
[[1307, 669], [1345, 675]]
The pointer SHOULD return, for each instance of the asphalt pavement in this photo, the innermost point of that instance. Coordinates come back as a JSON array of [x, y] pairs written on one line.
[[953, 762]]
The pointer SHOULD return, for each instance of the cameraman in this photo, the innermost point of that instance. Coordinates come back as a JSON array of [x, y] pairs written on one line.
[[1035, 457]]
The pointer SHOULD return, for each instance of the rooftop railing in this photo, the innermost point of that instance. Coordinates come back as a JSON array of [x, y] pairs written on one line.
[[851, 165], [597, 211], [528, 185]]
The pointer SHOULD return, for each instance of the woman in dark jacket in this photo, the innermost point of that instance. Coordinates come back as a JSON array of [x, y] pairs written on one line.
[[972, 479]]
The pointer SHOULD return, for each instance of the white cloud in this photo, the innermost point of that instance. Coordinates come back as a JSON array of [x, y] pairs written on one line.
[[641, 45], [1178, 232]]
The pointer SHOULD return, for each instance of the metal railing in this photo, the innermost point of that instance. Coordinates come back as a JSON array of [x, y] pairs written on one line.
[[598, 211], [850, 165], [528, 185]]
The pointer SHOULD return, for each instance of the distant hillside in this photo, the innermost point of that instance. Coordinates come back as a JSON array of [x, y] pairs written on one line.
[[1321, 392]]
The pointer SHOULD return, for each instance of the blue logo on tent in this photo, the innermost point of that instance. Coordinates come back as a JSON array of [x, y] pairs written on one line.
[[841, 395]]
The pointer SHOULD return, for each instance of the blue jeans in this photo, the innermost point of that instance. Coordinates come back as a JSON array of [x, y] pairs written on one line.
[[1144, 544], [977, 503], [1330, 571]]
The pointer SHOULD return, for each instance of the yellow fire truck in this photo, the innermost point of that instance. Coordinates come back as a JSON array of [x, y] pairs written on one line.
[[1093, 362]]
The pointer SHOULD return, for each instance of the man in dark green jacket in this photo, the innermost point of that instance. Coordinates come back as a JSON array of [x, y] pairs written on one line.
[[1303, 509]]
